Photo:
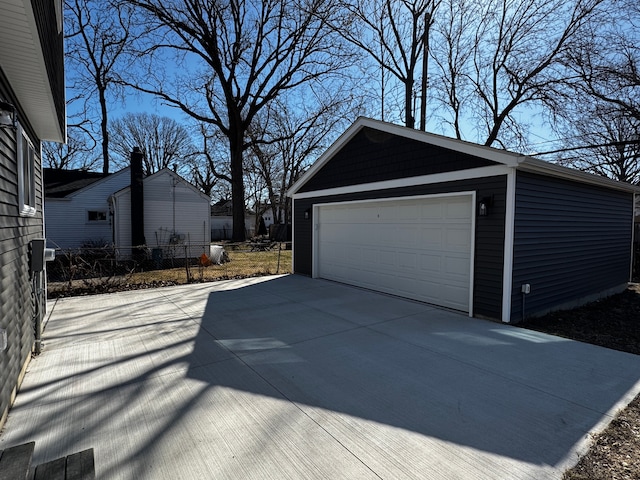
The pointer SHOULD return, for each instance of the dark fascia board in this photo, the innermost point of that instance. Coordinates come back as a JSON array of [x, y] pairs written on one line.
[[504, 157]]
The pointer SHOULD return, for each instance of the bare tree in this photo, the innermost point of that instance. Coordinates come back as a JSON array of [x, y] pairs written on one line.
[[607, 64], [394, 34], [285, 141], [201, 175], [98, 34], [506, 55], [163, 141], [599, 120], [602, 140], [249, 53], [77, 153], [452, 53]]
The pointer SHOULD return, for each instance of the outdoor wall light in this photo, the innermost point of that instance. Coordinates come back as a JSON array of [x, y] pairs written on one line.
[[7, 115], [307, 214], [484, 205]]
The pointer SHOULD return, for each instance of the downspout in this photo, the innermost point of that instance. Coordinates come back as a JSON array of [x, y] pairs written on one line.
[[112, 213]]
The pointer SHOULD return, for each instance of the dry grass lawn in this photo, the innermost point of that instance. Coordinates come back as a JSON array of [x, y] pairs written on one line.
[[242, 264]]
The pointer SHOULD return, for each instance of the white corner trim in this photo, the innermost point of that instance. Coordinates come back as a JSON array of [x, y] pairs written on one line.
[[410, 181], [472, 258], [509, 225], [636, 196], [293, 233], [315, 240]]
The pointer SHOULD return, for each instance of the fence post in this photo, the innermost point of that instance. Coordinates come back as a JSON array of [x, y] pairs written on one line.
[[186, 264], [279, 250]]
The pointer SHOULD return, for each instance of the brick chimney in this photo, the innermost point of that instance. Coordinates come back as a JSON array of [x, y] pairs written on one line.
[[137, 200]]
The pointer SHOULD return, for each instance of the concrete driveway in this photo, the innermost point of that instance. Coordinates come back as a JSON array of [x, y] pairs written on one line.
[[290, 377]]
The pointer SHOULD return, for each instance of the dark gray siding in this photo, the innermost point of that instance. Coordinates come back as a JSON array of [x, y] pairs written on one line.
[[571, 241], [374, 156], [16, 305], [489, 239]]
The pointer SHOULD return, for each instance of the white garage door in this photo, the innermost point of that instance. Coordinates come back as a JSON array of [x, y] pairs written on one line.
[[415, 248]]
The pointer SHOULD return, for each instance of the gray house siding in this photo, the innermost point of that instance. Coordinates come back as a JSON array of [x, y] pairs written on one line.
[[571, 241], [374, 156], [489, 235], [40, 104], [16, 305]]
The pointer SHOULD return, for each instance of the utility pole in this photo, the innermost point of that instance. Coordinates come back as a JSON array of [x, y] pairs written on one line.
[[425, 68]]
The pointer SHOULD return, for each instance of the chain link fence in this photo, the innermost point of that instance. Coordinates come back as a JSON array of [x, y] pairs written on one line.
[[103, 269]]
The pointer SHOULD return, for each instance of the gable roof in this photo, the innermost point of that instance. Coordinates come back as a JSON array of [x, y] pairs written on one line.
[[166, 171], [501, 157], [68, 183], [60, 183]]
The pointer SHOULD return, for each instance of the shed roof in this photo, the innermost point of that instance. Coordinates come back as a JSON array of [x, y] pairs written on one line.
[[504, 157]]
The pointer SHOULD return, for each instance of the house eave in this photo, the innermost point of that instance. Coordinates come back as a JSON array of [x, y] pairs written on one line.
[[22, 62]]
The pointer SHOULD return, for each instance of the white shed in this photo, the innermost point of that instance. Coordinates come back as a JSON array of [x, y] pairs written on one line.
[[176, 217]]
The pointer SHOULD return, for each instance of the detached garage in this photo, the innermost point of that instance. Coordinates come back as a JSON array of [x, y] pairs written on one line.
[[476, 229]]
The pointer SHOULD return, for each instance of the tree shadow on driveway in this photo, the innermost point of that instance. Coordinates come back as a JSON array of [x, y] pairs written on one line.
[[301, 378]]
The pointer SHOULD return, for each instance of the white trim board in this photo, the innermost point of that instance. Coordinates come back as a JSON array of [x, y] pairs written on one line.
[[507, 263], [454, 176]]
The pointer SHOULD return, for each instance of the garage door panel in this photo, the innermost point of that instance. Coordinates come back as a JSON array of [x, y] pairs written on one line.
[[407, 261], [457, 238], [431, 237], [431, 211], [458, 210], [418, 248], [431, 264]]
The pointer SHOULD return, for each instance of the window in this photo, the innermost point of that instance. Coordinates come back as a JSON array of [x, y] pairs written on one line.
[[96, 215], [26, 174]]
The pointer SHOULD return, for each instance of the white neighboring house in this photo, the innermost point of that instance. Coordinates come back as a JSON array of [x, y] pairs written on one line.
[[176, 215], [85, 208], [77, 206]]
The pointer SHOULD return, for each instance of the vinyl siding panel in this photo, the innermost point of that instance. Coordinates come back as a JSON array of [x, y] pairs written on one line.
[[489, 234], [66, 219], [373, 156], [571, 242], [171, 204], [16, 303]]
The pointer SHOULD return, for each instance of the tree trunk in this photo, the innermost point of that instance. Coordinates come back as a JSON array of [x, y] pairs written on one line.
[[105, 132], [408, 101], [237, 190]]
